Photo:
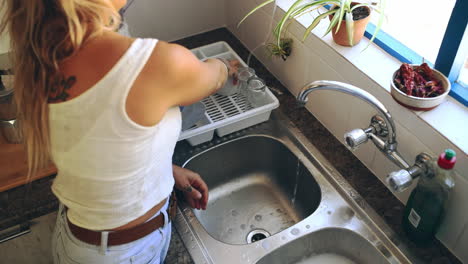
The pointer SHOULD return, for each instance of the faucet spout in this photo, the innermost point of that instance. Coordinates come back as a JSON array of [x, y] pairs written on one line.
[[356, 92], [381, 131]]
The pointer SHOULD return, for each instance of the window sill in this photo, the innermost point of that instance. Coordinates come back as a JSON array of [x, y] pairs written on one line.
[[445, 119]]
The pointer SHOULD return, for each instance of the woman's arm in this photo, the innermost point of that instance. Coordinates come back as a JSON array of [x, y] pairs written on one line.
[[188, 80], [173, 76]]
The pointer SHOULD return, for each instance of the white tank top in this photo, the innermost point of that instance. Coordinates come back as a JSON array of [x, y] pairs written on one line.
[[111, 170]]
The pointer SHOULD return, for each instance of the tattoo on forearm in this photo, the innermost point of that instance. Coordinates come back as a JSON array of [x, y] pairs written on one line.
[[188, 188], [59, 90]]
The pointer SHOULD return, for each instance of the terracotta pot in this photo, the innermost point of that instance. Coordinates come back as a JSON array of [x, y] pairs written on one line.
[[341, 37]]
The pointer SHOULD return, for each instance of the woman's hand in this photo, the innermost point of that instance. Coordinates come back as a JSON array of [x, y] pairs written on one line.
[[233, 68], [191, 184]]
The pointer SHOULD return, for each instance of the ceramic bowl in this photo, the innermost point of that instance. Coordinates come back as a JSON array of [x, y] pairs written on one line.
[[418, 103]]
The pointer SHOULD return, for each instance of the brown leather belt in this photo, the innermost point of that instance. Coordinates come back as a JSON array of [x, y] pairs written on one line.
[[127, 235]]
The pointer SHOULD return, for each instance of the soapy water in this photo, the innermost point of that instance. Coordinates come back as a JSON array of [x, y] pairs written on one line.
[[327, 258]]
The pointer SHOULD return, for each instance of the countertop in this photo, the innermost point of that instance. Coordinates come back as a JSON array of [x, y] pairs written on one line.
[[14, 167], [42, 201]]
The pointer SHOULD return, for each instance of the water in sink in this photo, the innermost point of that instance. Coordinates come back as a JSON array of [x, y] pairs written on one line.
[[247, 204], [258, 188], [328, 245], [326, 258]]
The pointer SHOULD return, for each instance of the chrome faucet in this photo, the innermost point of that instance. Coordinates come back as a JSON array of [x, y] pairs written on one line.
[[381, 131]]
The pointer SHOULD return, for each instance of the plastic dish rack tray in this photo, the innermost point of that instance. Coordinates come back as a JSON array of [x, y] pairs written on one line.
[[226, 114]]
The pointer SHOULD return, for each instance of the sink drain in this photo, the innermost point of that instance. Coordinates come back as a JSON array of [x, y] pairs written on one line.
[[256, 235]]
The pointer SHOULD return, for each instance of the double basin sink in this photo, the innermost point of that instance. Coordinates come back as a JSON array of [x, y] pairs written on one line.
[[273, 198]]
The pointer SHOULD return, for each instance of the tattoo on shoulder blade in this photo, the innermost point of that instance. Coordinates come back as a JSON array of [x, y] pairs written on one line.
[[59, 89]]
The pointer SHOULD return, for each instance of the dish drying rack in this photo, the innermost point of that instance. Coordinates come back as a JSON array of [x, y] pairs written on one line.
[[226, 114]]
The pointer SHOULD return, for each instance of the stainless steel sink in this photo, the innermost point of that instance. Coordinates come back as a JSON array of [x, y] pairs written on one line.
[[258, 188], [329, 245], [274, 197]]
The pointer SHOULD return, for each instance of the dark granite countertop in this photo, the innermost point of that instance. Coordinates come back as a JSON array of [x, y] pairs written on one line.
[[42, 201]]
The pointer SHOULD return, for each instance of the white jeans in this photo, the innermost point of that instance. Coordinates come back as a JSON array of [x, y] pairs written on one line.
[[66, 248]]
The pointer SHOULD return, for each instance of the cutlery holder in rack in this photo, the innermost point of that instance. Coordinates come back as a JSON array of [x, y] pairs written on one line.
[[226, 114]]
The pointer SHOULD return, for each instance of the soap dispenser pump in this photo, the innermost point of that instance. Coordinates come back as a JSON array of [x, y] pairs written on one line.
[[427, 203]]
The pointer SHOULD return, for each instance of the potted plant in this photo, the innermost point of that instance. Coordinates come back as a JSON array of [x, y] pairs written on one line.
[[348, 19]]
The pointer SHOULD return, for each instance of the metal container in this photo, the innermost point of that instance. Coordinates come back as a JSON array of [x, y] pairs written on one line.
[[10, 131], [9, 126], [7, 104]]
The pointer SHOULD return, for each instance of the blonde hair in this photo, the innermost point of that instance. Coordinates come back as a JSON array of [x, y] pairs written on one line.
[[44, 33]]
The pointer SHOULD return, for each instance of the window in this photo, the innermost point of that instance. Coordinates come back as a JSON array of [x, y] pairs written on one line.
[[431, 31], [463, 77], [418, 31]]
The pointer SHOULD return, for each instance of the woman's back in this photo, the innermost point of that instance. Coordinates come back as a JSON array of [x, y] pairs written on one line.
[[110, 168]]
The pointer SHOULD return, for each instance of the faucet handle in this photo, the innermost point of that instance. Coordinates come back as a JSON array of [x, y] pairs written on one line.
[[402, 179], [355, 137], [399, 180]]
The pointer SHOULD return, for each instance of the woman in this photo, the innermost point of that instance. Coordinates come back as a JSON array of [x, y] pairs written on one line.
[[104, 108]]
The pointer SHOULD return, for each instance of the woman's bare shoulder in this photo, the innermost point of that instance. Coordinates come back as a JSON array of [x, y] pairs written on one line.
[[106, 46], [173, 58], [93, 61]]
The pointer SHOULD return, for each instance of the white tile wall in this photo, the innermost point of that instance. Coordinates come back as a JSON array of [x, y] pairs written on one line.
[[235, 11], [174, 19], [461, 247], [456, 219], [254, 38], [315, 60], [359, 117], [451, 122]]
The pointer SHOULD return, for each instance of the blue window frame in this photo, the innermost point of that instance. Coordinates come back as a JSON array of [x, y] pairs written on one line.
[[451, 56]]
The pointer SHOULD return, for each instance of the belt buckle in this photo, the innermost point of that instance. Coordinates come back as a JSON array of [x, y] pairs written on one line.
[[172, 206]]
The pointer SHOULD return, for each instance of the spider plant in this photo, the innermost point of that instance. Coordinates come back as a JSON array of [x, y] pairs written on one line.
[[339, 10], [282, 50]]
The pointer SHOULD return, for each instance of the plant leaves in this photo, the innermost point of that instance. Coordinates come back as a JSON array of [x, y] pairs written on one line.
[[316, 22], [350, 28], [336, 19], [297, 10], [254, 10], [379, 23], [305, 9], [341, 9], [279, 27]]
